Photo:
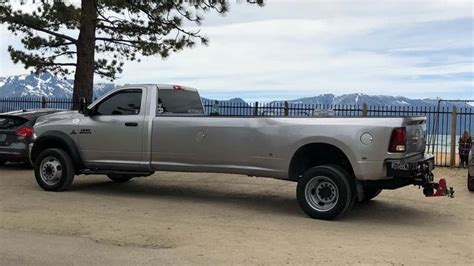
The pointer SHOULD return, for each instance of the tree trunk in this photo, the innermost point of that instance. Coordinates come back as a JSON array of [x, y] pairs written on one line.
[[84, 77]]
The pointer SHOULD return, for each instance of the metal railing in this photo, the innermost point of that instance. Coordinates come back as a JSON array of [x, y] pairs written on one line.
[[445, 124]]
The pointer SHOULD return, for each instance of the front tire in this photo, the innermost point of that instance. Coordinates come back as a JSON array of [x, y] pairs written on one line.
[[54, 170], [470, 183], [120, 178], [325, 192]]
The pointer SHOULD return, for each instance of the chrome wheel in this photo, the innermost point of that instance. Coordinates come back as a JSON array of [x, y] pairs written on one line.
[[51, 170], [321, 193]]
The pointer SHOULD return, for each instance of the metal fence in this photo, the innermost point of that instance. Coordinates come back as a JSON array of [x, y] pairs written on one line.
[[8, 104], [445, 124]]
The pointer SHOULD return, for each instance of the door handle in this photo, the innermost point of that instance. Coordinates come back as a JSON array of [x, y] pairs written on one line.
[[131, 124]]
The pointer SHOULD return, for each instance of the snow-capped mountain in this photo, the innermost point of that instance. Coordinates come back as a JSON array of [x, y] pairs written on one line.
[[359, 99], [102, 88], [351, 99], [44, 84], [48, 85]]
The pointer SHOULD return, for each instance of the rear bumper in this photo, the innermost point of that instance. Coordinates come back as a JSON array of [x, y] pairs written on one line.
[[16, 152], [416, 170], [410, 167], [383, 169]]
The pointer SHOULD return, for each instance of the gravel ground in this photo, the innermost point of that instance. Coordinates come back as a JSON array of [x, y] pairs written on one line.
[[180, 218]]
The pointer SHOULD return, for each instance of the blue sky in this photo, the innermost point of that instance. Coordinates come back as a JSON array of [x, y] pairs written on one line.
[[291, 49]]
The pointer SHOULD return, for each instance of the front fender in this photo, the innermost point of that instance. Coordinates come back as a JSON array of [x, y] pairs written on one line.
[[57, 139]]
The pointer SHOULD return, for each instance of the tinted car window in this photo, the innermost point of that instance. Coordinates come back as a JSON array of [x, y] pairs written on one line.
[[179, 102], [126, 102], [11, 122]]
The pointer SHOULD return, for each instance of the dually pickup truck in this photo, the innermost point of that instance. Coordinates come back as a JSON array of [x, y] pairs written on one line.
[[138, 129]]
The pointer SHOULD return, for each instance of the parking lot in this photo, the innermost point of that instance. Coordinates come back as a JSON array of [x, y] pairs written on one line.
[[179, 218]]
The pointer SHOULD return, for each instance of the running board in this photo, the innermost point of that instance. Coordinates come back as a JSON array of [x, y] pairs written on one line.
[[113, 172]]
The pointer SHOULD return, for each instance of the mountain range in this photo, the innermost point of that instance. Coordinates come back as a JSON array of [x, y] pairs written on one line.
[[48, 85], [44, 84]]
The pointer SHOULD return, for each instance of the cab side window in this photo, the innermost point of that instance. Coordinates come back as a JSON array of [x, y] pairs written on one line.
[[126, 102]]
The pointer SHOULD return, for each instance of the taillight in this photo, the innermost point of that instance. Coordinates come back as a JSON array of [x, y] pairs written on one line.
[[25, 132], [398, 142]]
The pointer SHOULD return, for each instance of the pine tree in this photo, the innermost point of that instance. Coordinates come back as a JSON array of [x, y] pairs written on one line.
[[98, 36]]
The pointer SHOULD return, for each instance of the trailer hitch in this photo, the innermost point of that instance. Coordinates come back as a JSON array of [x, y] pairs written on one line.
[[440, 189]]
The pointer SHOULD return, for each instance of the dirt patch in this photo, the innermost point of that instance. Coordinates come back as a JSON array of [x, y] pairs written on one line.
[[216, 218]]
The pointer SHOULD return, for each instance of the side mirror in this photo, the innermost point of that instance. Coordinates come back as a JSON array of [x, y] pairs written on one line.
[[83, 106]]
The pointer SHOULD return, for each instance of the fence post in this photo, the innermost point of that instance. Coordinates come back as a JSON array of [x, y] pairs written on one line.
[[255, 112], [43, 102], [286, 109], [365, 109], [453, 137]]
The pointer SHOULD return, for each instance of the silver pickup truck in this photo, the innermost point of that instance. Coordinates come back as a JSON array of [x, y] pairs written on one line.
[[138, 129]]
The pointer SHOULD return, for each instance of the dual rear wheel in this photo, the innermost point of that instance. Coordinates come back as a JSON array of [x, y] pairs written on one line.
[[328, 192]]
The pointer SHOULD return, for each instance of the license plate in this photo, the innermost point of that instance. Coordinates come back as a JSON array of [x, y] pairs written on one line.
[[402, 166], [3, 137]]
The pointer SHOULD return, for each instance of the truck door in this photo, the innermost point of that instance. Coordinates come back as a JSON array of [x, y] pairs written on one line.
[[112, 134]]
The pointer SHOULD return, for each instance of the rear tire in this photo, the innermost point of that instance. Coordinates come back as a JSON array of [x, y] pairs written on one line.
[[2, 162], [120, 178], [470, 183], [325, 192], [54, 170], [370, 193]]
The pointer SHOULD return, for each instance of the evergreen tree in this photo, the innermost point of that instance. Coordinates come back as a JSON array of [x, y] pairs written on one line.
[[100, 35]]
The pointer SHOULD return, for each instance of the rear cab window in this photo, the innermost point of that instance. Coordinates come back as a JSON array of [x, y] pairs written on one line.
[[179, 102]]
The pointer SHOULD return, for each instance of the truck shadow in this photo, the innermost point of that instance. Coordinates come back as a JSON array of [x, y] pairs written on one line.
[[262, 200], [383, 211], [12, 166], [187, 193]]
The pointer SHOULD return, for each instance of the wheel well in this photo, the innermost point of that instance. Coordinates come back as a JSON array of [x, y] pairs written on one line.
[[51, 143], [315, 154], [57, 140]]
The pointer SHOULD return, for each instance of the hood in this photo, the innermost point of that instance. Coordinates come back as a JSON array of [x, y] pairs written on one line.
[[56, 117]]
